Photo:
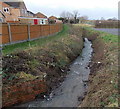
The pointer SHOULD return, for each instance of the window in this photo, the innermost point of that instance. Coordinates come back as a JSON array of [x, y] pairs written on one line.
[[42, 22], [6, 10]]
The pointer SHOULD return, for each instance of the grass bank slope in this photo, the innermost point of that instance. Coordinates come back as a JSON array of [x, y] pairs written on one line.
[[45, 59], [103, 80]]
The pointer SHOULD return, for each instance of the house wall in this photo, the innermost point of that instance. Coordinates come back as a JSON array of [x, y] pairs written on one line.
[[23, 13], [31, 21], [1, 6], [13, 16], [1, 18], [13, 13], [1, 9], [30, 15]]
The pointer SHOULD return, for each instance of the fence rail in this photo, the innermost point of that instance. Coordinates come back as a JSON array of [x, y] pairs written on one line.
[[16, 33]]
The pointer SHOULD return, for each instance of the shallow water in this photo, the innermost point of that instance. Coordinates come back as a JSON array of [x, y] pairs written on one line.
[[74, 87]]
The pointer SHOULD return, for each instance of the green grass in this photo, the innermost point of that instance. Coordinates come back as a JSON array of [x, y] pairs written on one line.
[[107, 37], [21, 46]]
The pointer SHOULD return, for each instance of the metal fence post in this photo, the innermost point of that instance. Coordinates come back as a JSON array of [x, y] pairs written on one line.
[[10, 34], [28, 32]]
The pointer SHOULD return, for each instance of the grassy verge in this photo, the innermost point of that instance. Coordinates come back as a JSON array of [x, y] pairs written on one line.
[[21, 46], [103, 85], [46, 58]]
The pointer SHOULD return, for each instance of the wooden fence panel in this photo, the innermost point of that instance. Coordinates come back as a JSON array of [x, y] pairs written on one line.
[[45, 30], [5, 39], [35, 31], [19, 32], [23, 32], [52, 29], [5, 34], [19, 37], [19, 29]]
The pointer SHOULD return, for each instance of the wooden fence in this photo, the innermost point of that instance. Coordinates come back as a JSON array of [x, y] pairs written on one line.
[[107, 24], [16, 33]]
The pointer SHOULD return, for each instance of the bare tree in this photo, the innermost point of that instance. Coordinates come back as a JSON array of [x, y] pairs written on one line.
[[76, 14], [70, 16], [66, 15]]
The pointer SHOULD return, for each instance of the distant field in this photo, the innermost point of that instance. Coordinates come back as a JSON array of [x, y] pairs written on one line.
[[109, 30]]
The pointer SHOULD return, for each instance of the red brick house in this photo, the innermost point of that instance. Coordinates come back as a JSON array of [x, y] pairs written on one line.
[[40, 15], [12, 10], [53, 17]]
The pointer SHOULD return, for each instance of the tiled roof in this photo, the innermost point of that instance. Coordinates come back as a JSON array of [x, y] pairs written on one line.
[[16, 4], [52, 17], [40, 15]]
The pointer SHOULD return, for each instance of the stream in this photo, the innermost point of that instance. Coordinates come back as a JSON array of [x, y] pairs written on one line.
[[73, 89]]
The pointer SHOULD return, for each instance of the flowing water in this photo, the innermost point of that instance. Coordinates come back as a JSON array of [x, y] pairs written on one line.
[[72, 90]]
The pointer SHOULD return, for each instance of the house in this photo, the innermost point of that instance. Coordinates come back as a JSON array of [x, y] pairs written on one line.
[[34, 19], [12, 10], [16, 11], [40, 15], [53, 20], [42, 19], [20, 5], [30, 14], [2, 17], [3, 8]]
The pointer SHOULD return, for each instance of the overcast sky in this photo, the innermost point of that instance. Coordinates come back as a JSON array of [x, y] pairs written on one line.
[[94, 9]]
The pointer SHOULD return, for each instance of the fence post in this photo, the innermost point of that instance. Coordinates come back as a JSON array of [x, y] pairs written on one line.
[[1, 35], [40, 31], [49, 30], [28, 32], [10, 34]]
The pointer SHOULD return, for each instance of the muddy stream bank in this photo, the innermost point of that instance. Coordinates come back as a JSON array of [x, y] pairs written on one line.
[[73, 89]]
